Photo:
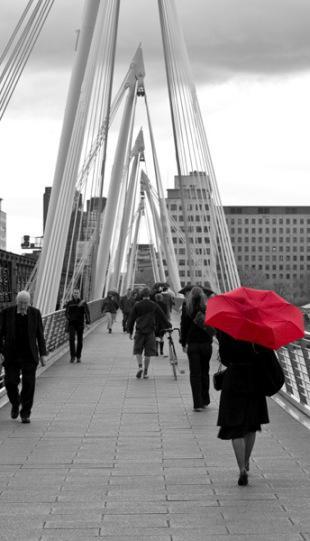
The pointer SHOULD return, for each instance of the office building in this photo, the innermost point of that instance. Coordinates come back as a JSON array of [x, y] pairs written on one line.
[[272, 246], [196, 187]]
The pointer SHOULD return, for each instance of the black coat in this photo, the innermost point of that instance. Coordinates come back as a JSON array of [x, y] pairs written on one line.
[[191, 333], [77, 311], [241, 403], [8, 334]]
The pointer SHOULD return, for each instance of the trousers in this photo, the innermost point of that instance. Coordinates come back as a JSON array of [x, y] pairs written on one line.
[[199, 364], [76, 330], [27, 371]]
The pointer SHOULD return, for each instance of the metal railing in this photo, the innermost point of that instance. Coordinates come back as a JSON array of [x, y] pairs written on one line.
[[55, 328], [295, 361]]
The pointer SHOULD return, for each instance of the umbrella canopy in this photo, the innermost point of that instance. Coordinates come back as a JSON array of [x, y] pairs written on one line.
[[206, 289], [255, 315]]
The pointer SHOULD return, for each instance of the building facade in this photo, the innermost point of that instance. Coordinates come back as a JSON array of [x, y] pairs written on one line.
[[2, 228], [196, 186], [15, 272], [272, 244]]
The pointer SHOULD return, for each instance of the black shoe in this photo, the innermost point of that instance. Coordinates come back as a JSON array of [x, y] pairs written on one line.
[[139, 373], [25, 420], [243, 479], [14, 412], [145, 374], [72, 359], [110, 330], [78, 360]]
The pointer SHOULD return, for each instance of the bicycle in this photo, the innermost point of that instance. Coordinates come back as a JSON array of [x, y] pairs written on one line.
[[172, 353]]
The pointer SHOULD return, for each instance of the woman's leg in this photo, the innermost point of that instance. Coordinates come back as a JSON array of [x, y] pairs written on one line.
[[109, 321], [239, 449], [249, 444]]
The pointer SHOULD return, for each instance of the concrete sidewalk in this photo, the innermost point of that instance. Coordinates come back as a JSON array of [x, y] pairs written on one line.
[[109, 456]]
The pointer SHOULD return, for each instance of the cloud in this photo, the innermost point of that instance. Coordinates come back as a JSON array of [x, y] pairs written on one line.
[[224, 38]]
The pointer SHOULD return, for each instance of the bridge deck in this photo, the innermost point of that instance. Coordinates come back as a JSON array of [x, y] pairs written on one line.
[[108, 456]]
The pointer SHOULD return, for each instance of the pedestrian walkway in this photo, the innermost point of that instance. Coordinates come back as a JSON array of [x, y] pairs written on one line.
[[109, 456]]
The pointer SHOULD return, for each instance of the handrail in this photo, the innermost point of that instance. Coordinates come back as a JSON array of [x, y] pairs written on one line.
[[295, 361]]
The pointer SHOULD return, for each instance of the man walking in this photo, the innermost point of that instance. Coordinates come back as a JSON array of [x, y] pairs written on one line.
[[145, 314], [77, 312], [22, 345]]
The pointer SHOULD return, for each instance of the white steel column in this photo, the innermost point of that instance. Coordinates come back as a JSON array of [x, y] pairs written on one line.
[[145, 182], [167, 238], [85, 39], [128, 207], [132, 258], [136, 74]]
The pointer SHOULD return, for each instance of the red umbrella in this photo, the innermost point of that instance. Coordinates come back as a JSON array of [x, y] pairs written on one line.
[[255, 315]]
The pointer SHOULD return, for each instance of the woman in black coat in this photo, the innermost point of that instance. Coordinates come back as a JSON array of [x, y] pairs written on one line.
[[243, 406], [196, 340]]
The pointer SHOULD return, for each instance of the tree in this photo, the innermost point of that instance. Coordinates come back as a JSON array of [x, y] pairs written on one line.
[[253, 278]]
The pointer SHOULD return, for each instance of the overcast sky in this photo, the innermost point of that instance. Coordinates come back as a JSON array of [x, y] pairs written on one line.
[[251, 65]]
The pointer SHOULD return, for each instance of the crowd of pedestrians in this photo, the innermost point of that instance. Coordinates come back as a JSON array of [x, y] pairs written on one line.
[[146, 315]]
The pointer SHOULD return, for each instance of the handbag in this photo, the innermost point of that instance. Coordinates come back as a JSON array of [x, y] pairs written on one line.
[[271, 375], [218, 378]]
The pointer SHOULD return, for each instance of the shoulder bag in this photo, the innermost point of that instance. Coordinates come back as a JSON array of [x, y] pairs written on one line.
[[218, 377]]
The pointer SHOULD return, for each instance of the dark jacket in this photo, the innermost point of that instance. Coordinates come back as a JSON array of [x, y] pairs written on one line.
[[109, 305], [126, 304], [146, 314], [241, 401], [77, 311], [8, 334], [190, 332]]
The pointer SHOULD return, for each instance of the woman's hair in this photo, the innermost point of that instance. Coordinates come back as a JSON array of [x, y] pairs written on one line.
[[196, 300]]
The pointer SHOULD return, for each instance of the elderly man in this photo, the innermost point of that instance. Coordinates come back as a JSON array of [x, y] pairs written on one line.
[[22, 345]]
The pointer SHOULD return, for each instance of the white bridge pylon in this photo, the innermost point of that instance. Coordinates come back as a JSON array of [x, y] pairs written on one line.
[[101, 249]]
